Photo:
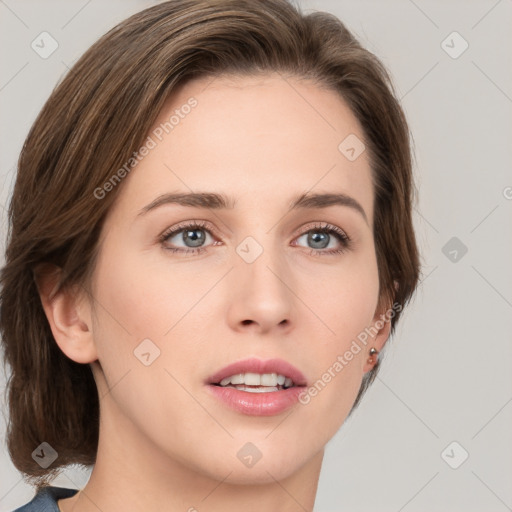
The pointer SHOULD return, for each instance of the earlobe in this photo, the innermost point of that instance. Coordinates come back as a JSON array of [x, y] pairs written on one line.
[[382, 324], [69, 315]]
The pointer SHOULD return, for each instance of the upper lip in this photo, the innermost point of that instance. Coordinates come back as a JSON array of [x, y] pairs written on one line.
[[253, 365]]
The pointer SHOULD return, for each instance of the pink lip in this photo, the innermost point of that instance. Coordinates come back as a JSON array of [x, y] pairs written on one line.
[[258, 404], [253, 365]]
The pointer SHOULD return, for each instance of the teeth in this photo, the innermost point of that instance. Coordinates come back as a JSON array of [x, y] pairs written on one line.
[[268, 380], [250, 389], [235, 379], [252, 379]]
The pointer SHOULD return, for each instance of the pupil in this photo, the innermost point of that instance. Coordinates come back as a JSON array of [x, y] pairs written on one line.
[[197, 240], [314, 238]]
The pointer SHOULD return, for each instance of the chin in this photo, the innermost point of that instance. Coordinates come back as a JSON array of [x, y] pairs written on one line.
[[276, 463]]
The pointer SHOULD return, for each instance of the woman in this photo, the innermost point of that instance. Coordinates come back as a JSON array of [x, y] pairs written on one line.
[[211, 242]]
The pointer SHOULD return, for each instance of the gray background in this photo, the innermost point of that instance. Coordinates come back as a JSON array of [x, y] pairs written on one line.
[[446, 375]]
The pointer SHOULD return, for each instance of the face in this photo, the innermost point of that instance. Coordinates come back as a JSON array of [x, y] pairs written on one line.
[[182, 289]]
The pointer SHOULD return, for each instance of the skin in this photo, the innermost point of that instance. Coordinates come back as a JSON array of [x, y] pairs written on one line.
[[165, 443]]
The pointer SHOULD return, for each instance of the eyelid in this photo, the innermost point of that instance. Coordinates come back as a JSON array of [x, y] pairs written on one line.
[[321, 226], [203, 224]]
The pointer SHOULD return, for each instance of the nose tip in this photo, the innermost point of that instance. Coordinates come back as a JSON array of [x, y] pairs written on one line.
[[259, 299]]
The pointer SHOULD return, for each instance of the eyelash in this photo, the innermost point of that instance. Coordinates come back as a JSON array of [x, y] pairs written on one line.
[[343, 238]]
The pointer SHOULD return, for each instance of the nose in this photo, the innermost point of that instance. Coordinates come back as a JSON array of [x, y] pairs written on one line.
[[260, 294]]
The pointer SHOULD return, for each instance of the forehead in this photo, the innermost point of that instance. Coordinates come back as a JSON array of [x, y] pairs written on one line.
[[258, 137]]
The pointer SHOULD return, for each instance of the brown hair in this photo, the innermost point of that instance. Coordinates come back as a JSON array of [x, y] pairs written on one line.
[[100, 114]]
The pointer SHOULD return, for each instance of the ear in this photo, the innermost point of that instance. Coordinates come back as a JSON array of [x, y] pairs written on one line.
[[382, 323], [69, 315]]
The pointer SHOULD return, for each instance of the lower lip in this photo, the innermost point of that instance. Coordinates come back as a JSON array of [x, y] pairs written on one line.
[[257, 404]]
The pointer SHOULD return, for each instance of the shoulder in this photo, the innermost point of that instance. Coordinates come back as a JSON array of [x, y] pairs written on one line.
[[46, 499]]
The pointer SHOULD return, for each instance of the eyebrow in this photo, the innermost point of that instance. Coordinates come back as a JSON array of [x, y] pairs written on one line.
[[212, 200]]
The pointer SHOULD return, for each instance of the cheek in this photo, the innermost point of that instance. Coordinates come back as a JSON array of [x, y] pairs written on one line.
[[143, 297], [345, 303], [345, 298], [135, 303]]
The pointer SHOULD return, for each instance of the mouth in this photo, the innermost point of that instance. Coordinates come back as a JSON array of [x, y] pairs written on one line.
[[257, 388], [258, 376], [256, 383]]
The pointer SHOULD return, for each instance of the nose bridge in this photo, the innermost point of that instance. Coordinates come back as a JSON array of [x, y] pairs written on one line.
[[259, 260], [260, 288]]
